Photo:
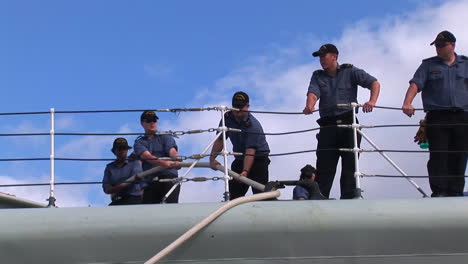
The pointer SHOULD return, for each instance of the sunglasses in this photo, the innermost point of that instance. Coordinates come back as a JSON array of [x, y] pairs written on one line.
[[150, 121]]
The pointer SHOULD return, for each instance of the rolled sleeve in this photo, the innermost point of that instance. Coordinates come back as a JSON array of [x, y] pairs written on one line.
[[314, 86], [251, 141], [363, 78], [299, 192], [420, 77], [140, 147], [169, 143], [106, 179]]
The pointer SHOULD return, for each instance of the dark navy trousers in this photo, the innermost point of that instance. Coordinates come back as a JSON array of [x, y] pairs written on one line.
[[331, 138]]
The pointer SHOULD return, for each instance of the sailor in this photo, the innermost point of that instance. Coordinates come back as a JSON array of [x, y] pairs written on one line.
[[307, 188], [337, 84], [149, 148], [120, 176], [251, 142], [443, 81]]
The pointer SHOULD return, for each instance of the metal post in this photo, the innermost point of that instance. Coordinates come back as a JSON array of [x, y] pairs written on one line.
[[52, 158], [393, 164], [357, 173], [225, 154]]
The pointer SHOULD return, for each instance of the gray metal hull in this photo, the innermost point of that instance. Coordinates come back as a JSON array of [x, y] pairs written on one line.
[[326, 232]]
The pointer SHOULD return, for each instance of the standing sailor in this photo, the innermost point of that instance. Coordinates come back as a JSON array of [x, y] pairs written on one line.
[[149, 148], [443, 81], [337, 84]]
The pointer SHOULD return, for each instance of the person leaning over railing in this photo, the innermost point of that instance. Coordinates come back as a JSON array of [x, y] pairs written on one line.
[[118, 180], [337, 84], [149, 148], [251, 141], [443, 81]]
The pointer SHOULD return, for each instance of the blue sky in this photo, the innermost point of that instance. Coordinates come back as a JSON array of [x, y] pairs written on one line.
[[88, 55], [114, 52]]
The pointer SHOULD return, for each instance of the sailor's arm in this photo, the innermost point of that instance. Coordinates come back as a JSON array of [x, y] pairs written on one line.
[[310, 103], [249, 158], [374, 95], [115, 189], [217, 147], [407, 107], [148, 157]]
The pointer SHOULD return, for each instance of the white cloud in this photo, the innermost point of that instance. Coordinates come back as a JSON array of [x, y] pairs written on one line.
[[390, 49], [90, 146], [66, 196], [65, 122], [25, 127]]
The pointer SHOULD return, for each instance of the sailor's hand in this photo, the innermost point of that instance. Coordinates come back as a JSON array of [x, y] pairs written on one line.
[[175, 165], [244, 173], [408, 109], [421, 136], [213, 164], [138, 177], [368, 107], [308, 110]]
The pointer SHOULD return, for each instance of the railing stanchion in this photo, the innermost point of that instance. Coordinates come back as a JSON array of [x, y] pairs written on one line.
[[52, 159], [225, 154], [357, 172]]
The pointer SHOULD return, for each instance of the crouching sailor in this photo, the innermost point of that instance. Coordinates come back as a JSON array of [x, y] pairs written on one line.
[[307, 188], [120, 180]]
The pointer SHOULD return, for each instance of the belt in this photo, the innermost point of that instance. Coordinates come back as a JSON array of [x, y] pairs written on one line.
[[447, 111], [258, 156], [346, 118], [122, 197]]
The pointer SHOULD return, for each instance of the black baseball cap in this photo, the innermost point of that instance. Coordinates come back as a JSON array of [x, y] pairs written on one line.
[[148, 115], [443, 37], [324, 49], [240, 99], [120, 143]]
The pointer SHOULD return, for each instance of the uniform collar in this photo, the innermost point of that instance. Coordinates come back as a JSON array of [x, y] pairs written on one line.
[[245, 118], [459, 59], [114, 163]]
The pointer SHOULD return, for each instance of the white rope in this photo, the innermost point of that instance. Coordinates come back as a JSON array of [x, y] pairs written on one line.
[[196, 228]]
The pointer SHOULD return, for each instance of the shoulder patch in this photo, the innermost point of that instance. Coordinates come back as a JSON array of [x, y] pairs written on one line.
[[346, 65], [464, 57], [318, 72], [133, 157]]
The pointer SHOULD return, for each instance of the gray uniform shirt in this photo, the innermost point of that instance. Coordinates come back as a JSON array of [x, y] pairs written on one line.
[[251, 137], [338, 89], [158, 146], [443, 86], [114, 175]]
